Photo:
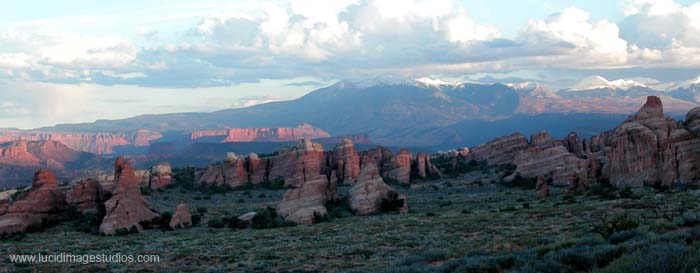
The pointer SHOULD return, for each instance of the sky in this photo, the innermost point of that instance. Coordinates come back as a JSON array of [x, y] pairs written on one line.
[[78, 61]]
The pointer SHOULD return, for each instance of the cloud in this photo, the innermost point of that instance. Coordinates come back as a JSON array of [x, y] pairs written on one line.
[[660, 23], [319, 39]]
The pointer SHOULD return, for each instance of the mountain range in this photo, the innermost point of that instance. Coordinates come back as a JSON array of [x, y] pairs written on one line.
[[422, 114]]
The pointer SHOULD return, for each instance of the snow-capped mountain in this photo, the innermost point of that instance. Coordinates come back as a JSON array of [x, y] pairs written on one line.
[[598, 82]]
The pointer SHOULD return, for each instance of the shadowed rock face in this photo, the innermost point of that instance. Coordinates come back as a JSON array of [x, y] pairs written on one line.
[[370, 194], [644, 149], [424, 168], [39, 205], [126, 208], [181, 218], [301, 204], [87, 196], [346, 162], [400, 167]]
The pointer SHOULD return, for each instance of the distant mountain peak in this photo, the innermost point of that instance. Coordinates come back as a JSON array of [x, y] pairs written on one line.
[[436, 83], [599, 82]]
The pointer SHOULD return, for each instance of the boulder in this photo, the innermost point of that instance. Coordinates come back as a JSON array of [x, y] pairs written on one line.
[[35, 207], [371, 195], [248, 217], [181, 218], [346, 162], [543, 140], [400, 167], [126, 208], [301, 204]]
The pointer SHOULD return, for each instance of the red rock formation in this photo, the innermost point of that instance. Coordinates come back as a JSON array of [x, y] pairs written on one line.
[[301, 204], [370, 193], [97, 143], [37, 153], [299, 164], [257, 168], [181, 218], [86, 196], [126, 208], [346, 162], [641, 149], [400, 167], [39, 205], [231, 172], [501, 150], [303, 131]]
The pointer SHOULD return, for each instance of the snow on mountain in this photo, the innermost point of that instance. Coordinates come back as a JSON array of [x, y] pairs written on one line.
[[598, 82], [670, 86]]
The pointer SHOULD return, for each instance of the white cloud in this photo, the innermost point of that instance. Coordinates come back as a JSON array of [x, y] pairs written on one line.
[[659, 23]]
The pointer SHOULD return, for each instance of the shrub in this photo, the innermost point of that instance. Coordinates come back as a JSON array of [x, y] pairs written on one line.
[[268, 218], [659, 258], [392, 202], [202, 210], [196, 219], [522, 182], [610, 225], [625, 235], [216, 223]]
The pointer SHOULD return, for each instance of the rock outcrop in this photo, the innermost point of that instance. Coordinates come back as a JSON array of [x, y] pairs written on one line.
[[299, 164], [346, 162], [371, 195], [555, 162], [231, 172], [181, 218], [399, 167], [301, 204], [642, 149], [35, 207], [501, 150], [126, 208], [96, 143]]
